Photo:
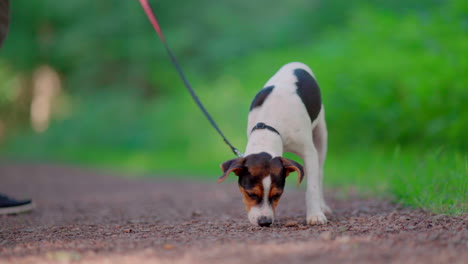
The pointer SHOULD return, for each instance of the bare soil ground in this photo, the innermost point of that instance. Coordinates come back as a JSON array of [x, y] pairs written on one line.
[[91, 217]]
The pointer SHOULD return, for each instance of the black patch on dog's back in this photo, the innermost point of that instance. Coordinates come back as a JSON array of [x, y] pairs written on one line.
[[261, 97], [309, 92]]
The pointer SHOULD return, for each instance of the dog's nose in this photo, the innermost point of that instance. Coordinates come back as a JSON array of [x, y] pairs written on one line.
[[264, 221]]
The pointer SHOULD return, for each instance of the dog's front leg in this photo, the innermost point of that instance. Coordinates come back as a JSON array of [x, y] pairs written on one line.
[[315, 215]]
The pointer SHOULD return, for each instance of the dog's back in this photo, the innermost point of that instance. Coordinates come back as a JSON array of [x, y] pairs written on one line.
[[290, 102]]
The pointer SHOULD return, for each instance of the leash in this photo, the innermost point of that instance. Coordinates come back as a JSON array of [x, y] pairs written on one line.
[[154, 22]]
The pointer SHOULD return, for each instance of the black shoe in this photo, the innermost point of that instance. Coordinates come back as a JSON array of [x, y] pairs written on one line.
[[12, 206]]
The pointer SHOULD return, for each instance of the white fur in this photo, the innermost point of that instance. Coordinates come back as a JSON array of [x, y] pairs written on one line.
[[264, 209], [306, 139]]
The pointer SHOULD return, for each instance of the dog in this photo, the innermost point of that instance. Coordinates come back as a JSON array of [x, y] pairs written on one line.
[[287, 115]]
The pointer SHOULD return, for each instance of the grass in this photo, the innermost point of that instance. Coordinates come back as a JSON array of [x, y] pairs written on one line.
[[433, 180], [437, 181]]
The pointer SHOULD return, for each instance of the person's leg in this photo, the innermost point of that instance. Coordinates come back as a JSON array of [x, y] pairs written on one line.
[[7, 204]]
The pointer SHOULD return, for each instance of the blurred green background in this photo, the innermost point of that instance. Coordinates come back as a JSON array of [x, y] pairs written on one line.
[[89, 83]]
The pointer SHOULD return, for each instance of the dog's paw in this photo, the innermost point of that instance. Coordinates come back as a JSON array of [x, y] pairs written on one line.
[[316, 219]]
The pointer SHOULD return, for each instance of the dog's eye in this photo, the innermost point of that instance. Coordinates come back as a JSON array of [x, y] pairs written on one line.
[[253, 196], [276, 197]]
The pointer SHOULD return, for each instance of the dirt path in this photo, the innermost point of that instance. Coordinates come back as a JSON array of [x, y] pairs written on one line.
[[89, 217]]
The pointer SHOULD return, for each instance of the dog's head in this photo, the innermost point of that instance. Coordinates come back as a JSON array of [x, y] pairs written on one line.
[[261, 182]]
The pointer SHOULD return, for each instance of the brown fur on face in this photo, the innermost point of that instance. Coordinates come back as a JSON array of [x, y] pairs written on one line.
[[249, 202], [253, 169], [274, 196]]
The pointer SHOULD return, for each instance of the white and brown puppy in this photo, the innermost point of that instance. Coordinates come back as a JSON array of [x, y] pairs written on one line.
[[287, 115]]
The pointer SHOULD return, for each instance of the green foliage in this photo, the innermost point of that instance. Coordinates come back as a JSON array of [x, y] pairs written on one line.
[[436, 181], [108, 46], [386, 79], [432, 179]]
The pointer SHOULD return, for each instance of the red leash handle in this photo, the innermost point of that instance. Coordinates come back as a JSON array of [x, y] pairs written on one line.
[[152, 18]]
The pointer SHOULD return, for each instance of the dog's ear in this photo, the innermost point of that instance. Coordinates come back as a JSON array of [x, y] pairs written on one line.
[[234, 165], [290, 166]]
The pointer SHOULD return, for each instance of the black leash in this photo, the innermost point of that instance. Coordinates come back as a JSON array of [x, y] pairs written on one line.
[[154, 22]]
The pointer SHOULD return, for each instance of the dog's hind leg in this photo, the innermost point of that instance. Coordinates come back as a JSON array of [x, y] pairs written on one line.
[[320, 137]]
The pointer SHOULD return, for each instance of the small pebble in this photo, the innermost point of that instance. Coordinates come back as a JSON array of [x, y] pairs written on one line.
[[128, 230], [291, 223], [439, 217], [196, 213], [168, 246]]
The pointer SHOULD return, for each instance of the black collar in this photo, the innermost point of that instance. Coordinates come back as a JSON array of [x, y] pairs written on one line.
[[264, 126]]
